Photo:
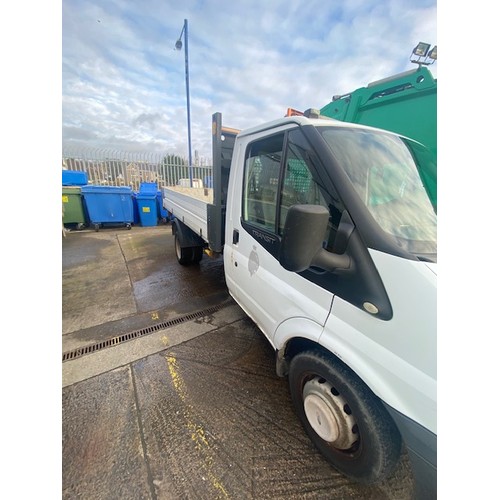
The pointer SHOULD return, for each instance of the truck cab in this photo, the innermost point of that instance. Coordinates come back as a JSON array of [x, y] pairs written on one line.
[[330, 247]]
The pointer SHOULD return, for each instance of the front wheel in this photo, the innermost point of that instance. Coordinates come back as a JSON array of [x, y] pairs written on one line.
[[343, 418]]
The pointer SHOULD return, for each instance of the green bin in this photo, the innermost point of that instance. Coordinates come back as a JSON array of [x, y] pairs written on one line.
[[73, 212]]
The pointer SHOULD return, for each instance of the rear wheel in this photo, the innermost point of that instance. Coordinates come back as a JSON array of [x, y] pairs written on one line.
[[184, 254], [197, 254], [343, 418]]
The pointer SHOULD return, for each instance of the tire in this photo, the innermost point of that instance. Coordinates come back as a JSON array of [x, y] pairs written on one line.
[[197, 254], [343, 418], [184, 255]]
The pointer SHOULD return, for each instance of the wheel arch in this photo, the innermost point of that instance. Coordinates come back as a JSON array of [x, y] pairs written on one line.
[[293, 336], [384, 379], [300, 334], [296, 345]]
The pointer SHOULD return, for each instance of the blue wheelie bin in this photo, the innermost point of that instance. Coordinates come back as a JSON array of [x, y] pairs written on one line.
[[108, 205], [146, 203]]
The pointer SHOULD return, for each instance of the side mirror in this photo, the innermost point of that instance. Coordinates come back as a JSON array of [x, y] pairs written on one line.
[[302, 241]]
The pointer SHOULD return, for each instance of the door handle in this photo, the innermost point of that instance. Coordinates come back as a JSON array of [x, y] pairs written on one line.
[[236, 236]]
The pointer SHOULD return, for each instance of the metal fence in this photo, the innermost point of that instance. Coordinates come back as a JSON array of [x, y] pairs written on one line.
[[114, 168]]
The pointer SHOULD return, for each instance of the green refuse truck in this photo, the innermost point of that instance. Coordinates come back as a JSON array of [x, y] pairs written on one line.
[[405, 103]]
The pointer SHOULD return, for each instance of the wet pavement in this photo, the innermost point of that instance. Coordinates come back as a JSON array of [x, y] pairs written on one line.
[[179, 399]]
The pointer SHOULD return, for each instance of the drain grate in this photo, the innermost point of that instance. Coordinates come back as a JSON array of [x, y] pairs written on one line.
[[126, 337]]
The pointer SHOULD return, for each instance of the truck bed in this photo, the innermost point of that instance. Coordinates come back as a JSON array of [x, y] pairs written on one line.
[[189, 205]]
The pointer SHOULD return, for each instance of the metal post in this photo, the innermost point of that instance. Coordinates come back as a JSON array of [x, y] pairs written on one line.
[[187, 101]]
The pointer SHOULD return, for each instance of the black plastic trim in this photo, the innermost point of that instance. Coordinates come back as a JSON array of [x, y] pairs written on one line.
[[422, 451]]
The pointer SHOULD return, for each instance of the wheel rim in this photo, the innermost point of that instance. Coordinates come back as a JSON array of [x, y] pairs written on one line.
[[329, 414]]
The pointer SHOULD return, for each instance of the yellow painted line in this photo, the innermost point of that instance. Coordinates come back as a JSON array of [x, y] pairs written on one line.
[[197, 432]]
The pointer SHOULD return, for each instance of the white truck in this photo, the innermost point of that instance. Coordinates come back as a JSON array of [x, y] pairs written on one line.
[[329, 245]]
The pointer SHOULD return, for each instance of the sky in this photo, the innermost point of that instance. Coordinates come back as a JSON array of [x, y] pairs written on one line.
[[124, 85]]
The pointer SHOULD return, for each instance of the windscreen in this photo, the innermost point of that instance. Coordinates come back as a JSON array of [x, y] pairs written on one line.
[[383, 169]]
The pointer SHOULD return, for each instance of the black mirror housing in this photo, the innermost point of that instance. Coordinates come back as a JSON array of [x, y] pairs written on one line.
[[302, 241], [303, 234]]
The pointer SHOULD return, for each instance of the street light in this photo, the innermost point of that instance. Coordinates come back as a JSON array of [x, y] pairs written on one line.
[[425, 56], [178, 46]]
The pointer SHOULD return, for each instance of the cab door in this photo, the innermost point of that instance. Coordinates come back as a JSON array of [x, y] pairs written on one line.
[[277, 173]]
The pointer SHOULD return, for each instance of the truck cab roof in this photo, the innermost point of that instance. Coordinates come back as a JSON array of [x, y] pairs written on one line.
[[321, 121]]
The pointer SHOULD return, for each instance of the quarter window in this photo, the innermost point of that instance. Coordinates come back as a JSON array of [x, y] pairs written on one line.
[[299, 187]]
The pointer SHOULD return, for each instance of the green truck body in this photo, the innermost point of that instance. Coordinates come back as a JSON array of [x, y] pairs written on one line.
[[405, 103]]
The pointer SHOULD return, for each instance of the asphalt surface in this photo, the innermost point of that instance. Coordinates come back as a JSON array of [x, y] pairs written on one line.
[[169, 390]]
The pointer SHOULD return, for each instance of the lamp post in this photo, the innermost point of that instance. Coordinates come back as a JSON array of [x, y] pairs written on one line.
[[178, 46]]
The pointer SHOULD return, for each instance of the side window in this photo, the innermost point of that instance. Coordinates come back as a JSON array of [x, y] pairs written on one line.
[[275, 179], [262, 174]]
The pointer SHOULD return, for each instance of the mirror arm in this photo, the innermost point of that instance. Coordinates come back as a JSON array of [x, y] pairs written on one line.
[[331, 261]]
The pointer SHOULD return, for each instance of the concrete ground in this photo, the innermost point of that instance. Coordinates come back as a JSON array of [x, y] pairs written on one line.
[[169, 390]]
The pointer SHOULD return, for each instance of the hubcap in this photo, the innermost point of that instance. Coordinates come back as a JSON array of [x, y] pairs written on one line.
[[321, 418], [328, 415]]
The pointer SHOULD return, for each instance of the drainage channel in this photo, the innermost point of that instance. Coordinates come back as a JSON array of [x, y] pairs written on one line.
[[126, 337]]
